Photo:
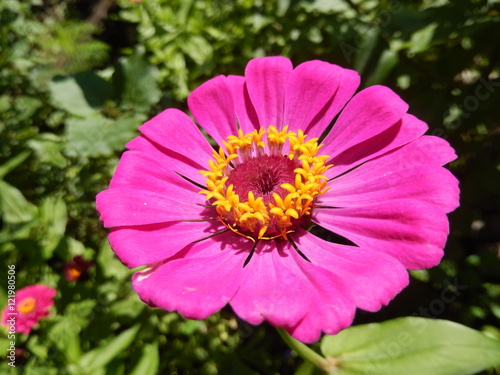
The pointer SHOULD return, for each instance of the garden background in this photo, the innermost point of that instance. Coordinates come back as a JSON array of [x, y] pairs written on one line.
[[77, 79]]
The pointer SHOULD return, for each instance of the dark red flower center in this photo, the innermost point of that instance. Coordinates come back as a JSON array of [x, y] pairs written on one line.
[[263, 176]]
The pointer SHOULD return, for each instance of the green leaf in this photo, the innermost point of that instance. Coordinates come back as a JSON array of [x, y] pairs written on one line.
[[13, 163], [328, 7], [26, 107], [67, 94], [421, 39], [149, 362], [38, 348], [101, 356], [135, 82], [14, 207], [95, 88], [53, 216], [198, 49], [411, 346], [388, 60], [96, 135], [109, 263], [65, 335], [48, 148], [307, 368]]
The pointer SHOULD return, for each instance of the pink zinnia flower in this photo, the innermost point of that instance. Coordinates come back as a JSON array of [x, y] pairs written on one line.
[[32, 304], [231, 225]]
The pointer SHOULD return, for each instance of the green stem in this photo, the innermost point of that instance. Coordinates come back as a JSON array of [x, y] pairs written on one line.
[[304, 351]]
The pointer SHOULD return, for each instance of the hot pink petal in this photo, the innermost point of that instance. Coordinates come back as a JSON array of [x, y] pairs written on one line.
[[368, 114], [426, 150], [199, 284], [212, 107], [178, 163], [130, 206], [332, 307], [411, 231], [408, 172], [266, 80], [245, 112], [408, 129], [148, 244], [269, 290], [141, 171], [374, 278], [174, 130], [434, 185], [315, 93], [372, 123]]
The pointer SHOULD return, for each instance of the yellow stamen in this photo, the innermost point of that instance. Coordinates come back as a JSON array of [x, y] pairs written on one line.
[[250, 216], [27, 305]]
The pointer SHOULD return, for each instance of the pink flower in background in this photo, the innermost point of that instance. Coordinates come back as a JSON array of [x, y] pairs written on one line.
[[232, 225], [77, 269], [32, 304]]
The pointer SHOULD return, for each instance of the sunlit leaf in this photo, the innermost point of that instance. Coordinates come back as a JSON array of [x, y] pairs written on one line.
[[67, 94], [14, 207], [49, 148], [97, 135], [411, 346], [421, 39]]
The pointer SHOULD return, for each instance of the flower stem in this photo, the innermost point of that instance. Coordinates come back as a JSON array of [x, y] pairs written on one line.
[[304, 351]]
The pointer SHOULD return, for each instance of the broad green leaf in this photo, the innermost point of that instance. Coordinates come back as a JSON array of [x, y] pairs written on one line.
[[14, 207], [135, 82], [48, 148], [101, 356], [149, 362], [307, 368], [411, 346], [96, 135], [421, 39], [67, 94]]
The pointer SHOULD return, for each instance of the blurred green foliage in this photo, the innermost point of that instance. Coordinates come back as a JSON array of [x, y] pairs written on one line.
[[78, 77]]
